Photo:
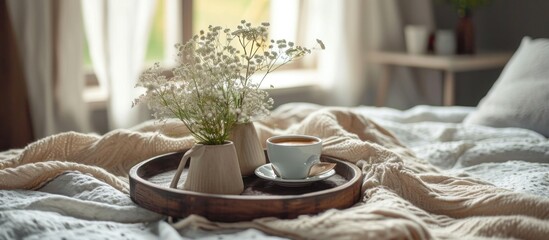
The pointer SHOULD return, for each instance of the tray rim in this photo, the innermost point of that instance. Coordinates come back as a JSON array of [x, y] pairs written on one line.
[[134, 176]]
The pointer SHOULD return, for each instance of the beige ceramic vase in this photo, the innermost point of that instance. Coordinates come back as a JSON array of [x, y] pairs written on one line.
[[213, 169], [248, 148]]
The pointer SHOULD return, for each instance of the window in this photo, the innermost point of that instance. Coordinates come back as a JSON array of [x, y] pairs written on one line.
[[176, 20], [229, 13], [283, 17], [172, 16]]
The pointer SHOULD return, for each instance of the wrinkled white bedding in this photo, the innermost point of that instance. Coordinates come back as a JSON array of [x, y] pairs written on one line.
[[512, 158], [76, 206]]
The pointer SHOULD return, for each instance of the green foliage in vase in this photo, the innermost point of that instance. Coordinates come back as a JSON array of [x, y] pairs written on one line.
[[465, 6], [212, 88]]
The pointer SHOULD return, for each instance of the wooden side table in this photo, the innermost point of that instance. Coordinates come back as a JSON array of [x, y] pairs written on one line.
[[449, 65]]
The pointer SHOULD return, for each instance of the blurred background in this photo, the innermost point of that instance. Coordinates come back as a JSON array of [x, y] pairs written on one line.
[[71, 65]]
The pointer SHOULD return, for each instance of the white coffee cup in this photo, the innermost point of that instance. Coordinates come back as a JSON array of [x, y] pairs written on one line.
[[416, 37], [292, 156]]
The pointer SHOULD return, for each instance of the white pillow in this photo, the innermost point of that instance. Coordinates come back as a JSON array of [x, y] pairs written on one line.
[[520, 97]]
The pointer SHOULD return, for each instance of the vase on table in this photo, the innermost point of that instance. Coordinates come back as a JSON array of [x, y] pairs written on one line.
[[465, 33], [248, 148], [213, 169]]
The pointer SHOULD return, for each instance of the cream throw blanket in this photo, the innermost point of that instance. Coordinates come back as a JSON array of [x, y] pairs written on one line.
[[403, 196]]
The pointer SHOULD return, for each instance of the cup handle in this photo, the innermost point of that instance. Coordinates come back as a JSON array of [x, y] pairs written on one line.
[[311, 161], [196, 151]]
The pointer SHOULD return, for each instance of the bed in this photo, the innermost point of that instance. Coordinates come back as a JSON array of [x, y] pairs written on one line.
[[429, 172]]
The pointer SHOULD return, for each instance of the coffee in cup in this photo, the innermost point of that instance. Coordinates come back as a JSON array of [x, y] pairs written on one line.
[[293, 155]]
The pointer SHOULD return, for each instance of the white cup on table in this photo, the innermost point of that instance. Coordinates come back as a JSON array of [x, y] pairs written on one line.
[[416, 37]]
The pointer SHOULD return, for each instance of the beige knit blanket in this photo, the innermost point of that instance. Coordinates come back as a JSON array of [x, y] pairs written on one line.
[[403, 196]]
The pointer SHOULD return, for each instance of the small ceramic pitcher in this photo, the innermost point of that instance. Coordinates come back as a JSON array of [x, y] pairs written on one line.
[[213, 169]]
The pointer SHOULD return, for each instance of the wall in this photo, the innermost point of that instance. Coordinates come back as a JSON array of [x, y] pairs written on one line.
[[499, 26]]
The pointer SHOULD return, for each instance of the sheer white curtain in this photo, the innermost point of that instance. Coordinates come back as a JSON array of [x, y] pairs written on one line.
[[350, 30], [117, 33], [339, 24], [49, 34]]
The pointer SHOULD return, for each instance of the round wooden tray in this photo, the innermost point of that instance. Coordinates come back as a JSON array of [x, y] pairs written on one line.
[[150, 180]]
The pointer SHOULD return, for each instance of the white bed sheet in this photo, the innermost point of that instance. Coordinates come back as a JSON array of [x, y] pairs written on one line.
[[511, 158]]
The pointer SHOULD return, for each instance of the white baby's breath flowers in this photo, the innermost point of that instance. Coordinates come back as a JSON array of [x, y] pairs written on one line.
[[212, 89]]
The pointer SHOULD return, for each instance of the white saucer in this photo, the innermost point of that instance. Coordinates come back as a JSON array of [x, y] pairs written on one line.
[[266, 172]]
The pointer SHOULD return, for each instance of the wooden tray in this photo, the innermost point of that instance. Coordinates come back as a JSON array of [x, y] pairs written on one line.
[[150, 180]]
